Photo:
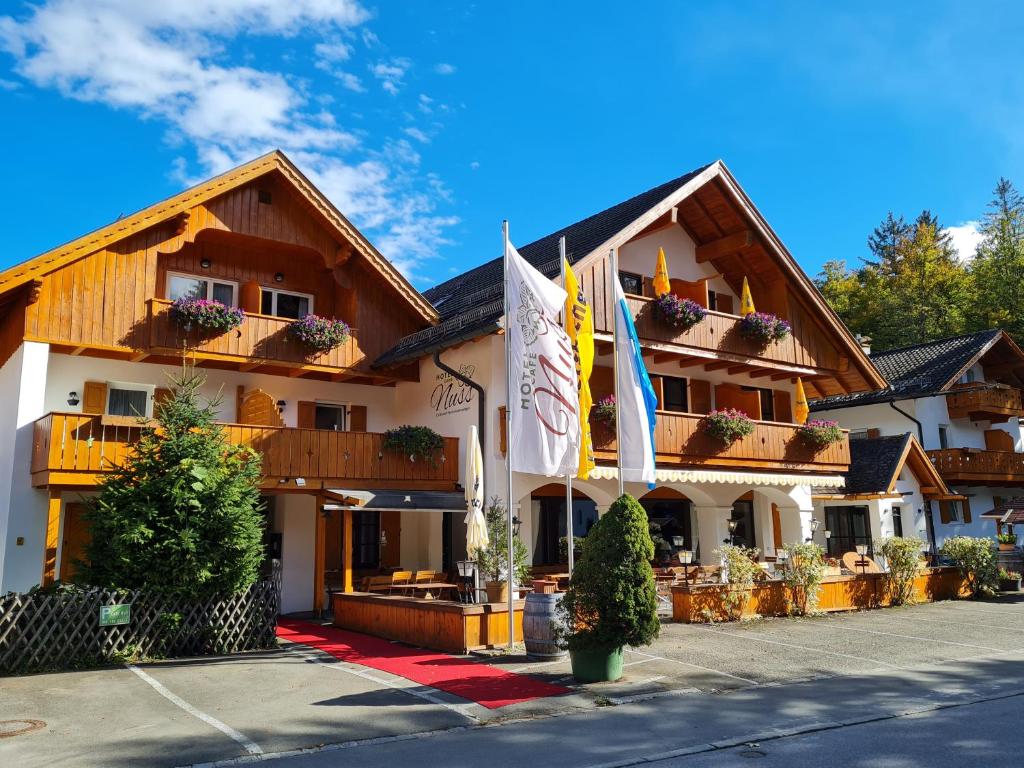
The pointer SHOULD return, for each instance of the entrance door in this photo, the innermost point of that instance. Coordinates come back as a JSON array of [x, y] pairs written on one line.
[[672, 516], [743, 514], [551, 527], [849, 527], [75, 538]]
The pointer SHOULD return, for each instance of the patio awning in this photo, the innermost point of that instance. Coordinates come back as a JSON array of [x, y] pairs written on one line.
[[392, 501], [734, 478], [1009, 512]]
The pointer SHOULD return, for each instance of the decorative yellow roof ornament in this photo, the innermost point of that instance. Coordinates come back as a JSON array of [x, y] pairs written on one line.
[[746, 301], [661, 281], [801, 410]]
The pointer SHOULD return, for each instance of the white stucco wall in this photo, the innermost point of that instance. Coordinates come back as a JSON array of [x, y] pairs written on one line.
[[295, 520]]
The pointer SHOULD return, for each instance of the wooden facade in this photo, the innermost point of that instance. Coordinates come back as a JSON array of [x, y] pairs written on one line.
[[994, 404], [75, 449], [971, 466]]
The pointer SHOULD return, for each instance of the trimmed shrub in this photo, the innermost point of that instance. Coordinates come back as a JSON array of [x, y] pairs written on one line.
[[492, 560], [976, 559], [740, 564], [903, 560], [803, 574]]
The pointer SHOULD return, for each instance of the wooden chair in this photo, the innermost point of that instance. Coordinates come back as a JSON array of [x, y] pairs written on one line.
[[399, 579], [710, 574], [377, 584], [423, 577], [858, 564]]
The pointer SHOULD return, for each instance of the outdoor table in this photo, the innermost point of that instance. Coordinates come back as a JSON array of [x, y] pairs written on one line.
[[428, 587]]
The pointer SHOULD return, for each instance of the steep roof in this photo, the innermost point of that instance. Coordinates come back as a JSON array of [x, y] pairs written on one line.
[[272, 162], [876, 463], [921, 369], [471, 304]]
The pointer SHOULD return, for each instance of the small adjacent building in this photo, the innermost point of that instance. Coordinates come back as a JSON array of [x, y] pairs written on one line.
[[961, 398]]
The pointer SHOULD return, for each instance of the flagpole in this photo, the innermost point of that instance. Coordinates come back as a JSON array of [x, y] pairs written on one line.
[[568, 475], [614, 259], [508, 438]]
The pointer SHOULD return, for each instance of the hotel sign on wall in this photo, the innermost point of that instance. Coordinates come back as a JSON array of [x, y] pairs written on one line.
[[451, 395]]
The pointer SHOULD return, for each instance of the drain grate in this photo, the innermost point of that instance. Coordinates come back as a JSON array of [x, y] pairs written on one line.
[[10, 728]]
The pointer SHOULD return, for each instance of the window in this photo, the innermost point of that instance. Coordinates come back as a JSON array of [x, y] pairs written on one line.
[[712, 300], [330, 417], [285, 304], [968, 377], [848, 527], [944, 436], [632, 283], [897, 521], [194, 287], [767, 405], [955, 509], [129, 399], [674, 394], [366, 540]]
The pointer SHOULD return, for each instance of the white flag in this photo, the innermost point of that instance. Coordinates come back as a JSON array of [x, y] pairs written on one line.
[[545, 433], [635, 398]]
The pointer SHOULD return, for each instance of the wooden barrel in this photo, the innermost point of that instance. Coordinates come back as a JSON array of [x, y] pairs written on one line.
[[540, 618]]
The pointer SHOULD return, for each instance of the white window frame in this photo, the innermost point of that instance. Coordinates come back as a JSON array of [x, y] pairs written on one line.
[[131, 386], [275, 292], [209, 280], [943, 434], [346, 407]]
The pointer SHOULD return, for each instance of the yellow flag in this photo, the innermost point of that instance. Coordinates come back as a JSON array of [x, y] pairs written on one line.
[[802, 409], [580, 327], [661, 283], [746, 301]]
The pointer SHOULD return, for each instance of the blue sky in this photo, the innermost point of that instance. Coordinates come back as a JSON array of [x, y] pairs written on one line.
[[427, 123]]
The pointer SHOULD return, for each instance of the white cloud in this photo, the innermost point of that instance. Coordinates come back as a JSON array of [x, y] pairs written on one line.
[[8, 85], [474, 165], [445, 69], [170, 62], [965, 237], [391, 73], [417, 134]]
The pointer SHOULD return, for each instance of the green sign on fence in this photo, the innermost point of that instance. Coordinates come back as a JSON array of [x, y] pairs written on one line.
[[113, 615]]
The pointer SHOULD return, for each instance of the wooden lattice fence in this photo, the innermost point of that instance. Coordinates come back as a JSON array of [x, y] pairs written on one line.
[[60, 630]]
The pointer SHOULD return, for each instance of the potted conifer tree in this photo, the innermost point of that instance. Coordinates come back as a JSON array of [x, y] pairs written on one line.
[[611, 601]]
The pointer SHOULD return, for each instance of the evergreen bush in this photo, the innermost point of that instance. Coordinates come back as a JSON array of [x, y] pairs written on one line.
[[182, 515], [492, 560], [611, 601]]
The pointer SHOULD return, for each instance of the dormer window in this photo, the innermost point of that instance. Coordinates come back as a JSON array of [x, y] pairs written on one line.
[[182, 285], [285, 303]]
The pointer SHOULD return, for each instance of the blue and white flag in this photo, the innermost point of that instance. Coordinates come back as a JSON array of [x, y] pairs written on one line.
[[635, 399]]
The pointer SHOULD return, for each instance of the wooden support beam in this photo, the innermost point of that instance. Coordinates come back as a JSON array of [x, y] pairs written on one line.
[[736, 370], [246, 367], [346, 552], [52, 538], [760, 374], [718, 365], [180, 222], [77, 351], [664, 357], [345, 251], [295, 373], [691, 361], [138, 358], [724, 245]]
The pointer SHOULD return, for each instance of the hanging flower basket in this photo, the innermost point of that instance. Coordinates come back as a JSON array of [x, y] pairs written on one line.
[[763, 327], [415, 442], [205, 315], [320, 334], [727, 425], [821, 432], [679, 313], [604, 411]]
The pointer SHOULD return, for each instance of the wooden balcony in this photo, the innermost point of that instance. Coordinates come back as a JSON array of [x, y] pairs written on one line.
[[995, 404], [262, 340], [680, 442], [972, 466], [75, 449]]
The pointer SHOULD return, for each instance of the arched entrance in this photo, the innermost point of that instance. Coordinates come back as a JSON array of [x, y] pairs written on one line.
[[668, 514], [744, 533], [550, 525]]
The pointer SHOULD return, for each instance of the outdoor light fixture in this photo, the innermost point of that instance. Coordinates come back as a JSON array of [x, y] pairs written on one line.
[[828, 534], [73, 398], [516, 523], [678, 542], [205, 263], [732, 526], [732, 533], [300, 481], [814, 527], [685, 558], [466, 568], [279, 277], [862, 549], [280, 406]]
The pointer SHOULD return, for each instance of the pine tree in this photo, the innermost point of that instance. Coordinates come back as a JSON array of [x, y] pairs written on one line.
[[183, 515], [998, 267], [885, 240]]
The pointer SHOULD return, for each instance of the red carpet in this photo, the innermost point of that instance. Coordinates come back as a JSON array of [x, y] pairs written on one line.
[[471, 680]]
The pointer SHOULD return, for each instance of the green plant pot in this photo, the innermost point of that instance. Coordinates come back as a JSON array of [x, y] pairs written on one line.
[[596, 665]]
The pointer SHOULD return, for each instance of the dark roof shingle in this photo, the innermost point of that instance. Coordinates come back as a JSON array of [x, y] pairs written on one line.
[[915, 371], [472, 303], [873, 462]]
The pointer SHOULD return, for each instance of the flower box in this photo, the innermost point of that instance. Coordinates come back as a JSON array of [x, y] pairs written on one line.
[[679, 313], [763, 327], [604, 412], [728, 425], [414, 442], [821, 432], [319, 334], [205, 315]]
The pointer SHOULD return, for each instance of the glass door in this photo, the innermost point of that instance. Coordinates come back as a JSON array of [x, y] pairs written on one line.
[[849, 527]]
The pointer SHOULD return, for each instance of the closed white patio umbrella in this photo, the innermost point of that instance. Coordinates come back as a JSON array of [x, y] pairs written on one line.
[[476, 524]]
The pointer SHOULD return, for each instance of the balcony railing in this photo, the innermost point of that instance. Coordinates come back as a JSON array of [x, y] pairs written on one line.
[[680, 441], [996, 404], [75, 448], [261, 339], [971, 466]]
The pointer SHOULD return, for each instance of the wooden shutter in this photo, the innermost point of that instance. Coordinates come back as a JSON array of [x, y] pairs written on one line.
[[696, 291], [944, 512], [874, 432], [783, 407], [94, 397], [700, 396], [723, 303], [249, 296], [357, 418], [307, 415], [966, 510], [502, 430], [776, 527], [732, 396], [998, 440], [659, 390], [391, 553]]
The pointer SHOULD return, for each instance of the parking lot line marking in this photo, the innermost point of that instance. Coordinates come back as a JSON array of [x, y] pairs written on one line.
[[417, 691], [248, 744], [651, 657], [914, 637], [799, 647], [973, 624]]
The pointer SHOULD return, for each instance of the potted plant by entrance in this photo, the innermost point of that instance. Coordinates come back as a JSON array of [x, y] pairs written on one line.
[[1007, 541], [611, 601], [492, 560], [1009, 581]]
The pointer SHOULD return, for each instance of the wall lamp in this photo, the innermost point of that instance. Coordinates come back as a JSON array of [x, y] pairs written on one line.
[[814, 527], [279, 277], [73, 399], [205, 263], [516, 524], [281, 406]]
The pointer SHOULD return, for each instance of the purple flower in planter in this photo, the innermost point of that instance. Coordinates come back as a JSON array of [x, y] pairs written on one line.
[[763, 327], [679, 313], [604, 411], [727, 425], [320, 333], [205, 314], [821, 432]]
